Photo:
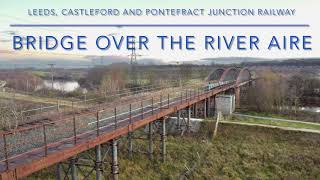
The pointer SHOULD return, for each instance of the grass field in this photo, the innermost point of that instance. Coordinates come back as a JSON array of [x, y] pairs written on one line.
[[278, 123], [301, 115], [40, 74], [238, 152]]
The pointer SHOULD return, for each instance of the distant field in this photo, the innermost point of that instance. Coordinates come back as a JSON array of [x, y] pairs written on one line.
[[41, 74], [238, 152], [265, 120], [301, 116]]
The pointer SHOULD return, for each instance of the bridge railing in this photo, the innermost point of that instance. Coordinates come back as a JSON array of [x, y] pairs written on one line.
[[54, 116], [43, 140], [82, 102]]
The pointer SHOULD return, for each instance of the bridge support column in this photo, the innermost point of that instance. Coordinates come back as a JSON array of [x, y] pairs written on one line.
[[150, 147], [179, 120], [163, 139], [98, 162], [205, 108], [196, 110], [214, 105], [73, 168], [130, 146], [209, 107], [237, 96], [189, 117], [114, 162], [59, 171]]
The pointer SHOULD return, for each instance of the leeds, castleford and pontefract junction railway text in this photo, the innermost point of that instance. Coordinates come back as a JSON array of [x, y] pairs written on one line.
[[163, 12]]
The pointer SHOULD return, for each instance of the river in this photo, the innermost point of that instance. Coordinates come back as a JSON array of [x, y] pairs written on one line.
[[66, 86], [306, 109]]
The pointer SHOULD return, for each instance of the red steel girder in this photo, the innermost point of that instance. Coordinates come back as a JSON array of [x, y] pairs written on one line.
[[38, 162]]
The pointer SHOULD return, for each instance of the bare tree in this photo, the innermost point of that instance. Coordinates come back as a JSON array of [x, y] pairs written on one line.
[[269, 93], [9, 116], [114, 80], [296, 90]]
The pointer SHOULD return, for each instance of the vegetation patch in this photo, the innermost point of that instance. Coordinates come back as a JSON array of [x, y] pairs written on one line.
[[279, 123], [238, 152], [300, 116]]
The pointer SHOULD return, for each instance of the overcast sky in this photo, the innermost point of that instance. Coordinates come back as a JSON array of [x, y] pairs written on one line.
[[15, 12]]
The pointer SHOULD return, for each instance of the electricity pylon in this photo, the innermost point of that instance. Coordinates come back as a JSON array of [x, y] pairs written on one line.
[[51, 67], [133, 64]]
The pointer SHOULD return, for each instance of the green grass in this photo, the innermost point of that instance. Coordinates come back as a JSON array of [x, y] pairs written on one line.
[[302, 116], [194, 81], [40, 74], [274, 123], [271, 115], [238, 152]]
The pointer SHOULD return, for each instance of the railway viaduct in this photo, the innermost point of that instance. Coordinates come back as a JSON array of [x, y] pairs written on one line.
[[61, 143]]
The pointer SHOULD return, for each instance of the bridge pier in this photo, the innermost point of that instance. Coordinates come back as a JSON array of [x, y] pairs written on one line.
[[130, 146], [205, 108], [209, 107], [163, 139], [98, 162], [150, 147], [195, 110], [59, 171], [114, 161], [73, 168], [179, 120], [237, 96], [214, 105], [189, 117]]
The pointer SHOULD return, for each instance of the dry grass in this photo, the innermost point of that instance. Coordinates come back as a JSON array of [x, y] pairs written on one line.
[[238, 152]]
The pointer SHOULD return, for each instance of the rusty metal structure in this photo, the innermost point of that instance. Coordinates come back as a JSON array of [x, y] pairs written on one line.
[[28, 150], [239, 75]]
